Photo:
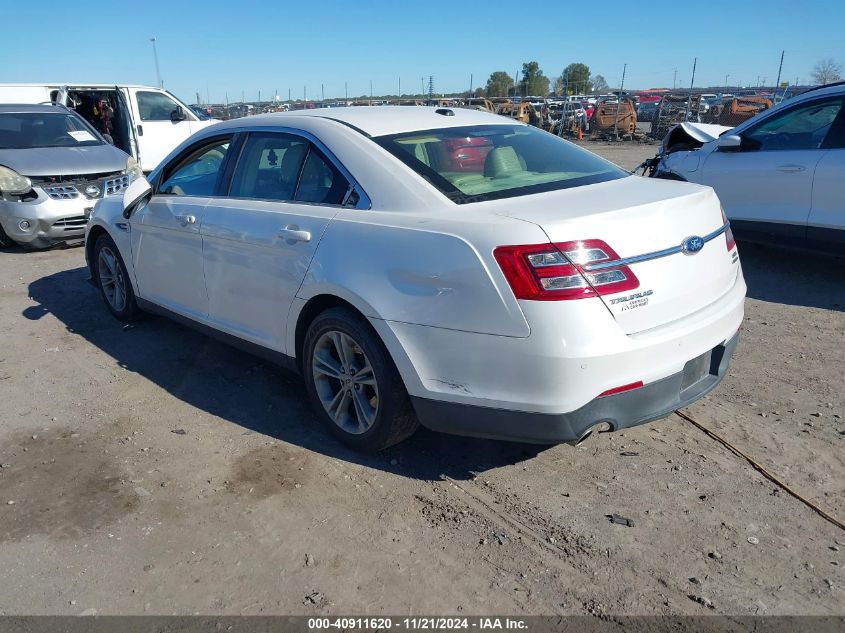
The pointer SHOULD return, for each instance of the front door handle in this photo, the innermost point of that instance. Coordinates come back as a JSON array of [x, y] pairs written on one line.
[[790, 169], [187, 219], [295, 234]]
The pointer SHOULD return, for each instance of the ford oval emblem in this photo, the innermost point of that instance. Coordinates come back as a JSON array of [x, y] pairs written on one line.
[[92, 191], [692, 245]]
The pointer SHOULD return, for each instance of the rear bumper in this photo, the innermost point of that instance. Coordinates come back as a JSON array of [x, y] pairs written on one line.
[[646, 404]]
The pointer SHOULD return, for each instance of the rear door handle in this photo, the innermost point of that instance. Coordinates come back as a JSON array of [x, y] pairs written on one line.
[[295, 234], [790, 169], [186, 219]]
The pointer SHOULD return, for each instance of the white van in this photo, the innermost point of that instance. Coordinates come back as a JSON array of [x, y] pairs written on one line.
[[143, 121]]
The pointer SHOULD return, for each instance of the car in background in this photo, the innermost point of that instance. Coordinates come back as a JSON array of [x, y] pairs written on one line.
[[54, 167], [646, 111], [144, 121], [779, 174], [539, 294], [203, 112]]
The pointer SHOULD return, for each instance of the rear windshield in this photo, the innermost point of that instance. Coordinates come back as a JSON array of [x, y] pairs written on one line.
[[476, 163], [26, 130]]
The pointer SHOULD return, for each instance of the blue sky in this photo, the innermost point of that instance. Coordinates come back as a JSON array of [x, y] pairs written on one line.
[[218, 47]]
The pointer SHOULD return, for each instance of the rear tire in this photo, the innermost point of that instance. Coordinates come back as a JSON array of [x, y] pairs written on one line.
[[113, 280], [353, 384]]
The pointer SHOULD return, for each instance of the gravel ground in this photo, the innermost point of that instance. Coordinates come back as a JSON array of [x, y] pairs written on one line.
[[153, 470]]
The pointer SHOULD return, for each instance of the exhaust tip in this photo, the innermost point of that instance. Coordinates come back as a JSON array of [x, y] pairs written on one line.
[[600, 427]]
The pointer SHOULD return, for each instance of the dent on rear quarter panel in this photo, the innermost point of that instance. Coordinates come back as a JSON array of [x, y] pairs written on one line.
[[414, 276]]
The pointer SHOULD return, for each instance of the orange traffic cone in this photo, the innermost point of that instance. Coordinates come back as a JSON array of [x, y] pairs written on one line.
[[580, 134]]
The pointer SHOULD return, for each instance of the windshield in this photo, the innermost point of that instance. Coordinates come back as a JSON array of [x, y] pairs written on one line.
[[26, 130], [476, 163]]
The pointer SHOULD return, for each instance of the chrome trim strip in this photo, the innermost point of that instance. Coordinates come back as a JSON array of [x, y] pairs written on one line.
[[653, 255]]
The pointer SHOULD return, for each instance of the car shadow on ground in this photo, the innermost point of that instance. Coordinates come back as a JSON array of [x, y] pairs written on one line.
[[243, 389], [793, 277]]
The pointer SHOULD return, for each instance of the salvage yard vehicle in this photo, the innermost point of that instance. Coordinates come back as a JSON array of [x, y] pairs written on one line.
[[779, 175], [519, 111], [673, 109], [53, 168], [143, 121], [614, 115], [531, 291]]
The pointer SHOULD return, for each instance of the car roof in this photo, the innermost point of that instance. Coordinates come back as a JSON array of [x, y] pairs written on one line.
[[19, 108], [381, 120]]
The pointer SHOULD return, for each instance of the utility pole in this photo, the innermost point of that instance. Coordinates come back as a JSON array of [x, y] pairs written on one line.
[[430, 89], [322, 94], [726, 82], [470, 85], [691, 83], [675, 79], [304, 96], [619, 104], [400, 88], [515, 81], [159, 82], [780, 68]]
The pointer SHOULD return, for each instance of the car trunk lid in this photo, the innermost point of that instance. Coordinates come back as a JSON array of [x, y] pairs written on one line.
[[645, 221]]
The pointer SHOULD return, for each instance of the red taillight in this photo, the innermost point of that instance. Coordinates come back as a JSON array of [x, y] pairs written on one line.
[[543, 272], [622, 389], [729, 235]]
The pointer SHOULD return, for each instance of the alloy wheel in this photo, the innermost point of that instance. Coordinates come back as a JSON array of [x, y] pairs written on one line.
[[345, 382], [112, 280]]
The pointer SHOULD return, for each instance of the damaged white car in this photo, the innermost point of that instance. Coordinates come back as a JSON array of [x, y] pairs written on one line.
[[780, 175]]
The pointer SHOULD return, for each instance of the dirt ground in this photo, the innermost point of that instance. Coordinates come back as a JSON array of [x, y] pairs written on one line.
[[152, 470]]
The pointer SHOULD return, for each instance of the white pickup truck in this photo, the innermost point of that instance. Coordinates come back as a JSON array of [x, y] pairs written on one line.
[[144, 121]]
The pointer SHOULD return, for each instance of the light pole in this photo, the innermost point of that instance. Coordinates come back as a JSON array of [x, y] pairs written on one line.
[[159, 82]]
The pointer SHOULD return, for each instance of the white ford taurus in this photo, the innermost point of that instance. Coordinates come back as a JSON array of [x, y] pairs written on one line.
[[445, 267]]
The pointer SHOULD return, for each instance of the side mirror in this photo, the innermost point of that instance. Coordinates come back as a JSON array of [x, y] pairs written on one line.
[[729, 143], [178, 115], [136, 195]]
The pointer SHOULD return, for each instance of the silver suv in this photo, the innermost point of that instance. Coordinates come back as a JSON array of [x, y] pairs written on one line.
[[53, 168]]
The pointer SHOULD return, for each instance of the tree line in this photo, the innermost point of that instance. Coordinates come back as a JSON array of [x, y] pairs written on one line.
[[575, 79]]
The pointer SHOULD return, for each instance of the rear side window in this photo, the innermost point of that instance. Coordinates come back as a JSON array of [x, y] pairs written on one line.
[[286, 167], [269, 167], [320, 183], [476, 163]]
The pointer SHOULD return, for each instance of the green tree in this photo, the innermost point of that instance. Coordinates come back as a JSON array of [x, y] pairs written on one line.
[[499, 84], [576, 78], [533, 81]]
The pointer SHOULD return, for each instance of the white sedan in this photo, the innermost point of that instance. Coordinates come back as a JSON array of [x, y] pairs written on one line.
[[780, 175], [446, 267]]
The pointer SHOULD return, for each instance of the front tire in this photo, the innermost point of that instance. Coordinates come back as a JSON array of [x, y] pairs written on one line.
[[113, 280], [353, 384]]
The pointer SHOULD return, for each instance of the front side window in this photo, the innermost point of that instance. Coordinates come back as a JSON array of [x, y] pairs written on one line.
[[155, 106], [476, 163], [800, 128], [27, 130], [196, 174]]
